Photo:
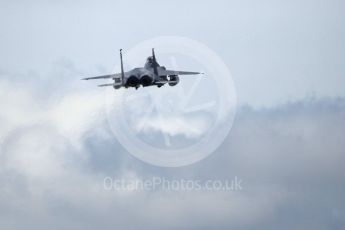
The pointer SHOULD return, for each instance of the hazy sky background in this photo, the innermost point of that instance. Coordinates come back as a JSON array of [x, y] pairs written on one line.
[[277, 50], [287, 143]]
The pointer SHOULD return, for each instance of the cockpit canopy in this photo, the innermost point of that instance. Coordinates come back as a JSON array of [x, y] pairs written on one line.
[[150, 62]]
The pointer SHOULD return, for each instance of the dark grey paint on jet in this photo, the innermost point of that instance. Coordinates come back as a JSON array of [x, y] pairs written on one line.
[[149, 75]]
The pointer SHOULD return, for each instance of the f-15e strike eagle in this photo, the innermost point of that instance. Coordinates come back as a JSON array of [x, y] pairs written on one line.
[[152, 74]]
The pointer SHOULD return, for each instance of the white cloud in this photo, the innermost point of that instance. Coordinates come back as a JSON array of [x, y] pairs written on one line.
[[190, 127], [283, 155]]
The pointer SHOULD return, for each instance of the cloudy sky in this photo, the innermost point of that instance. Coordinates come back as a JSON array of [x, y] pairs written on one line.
[[286, 145]]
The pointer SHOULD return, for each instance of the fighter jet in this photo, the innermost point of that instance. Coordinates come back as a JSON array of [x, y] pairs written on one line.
[[152, 74]]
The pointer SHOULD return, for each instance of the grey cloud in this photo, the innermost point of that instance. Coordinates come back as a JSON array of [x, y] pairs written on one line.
[[289, 158], [56, 147]]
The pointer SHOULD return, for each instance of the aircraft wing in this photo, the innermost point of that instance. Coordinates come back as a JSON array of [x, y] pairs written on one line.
[[116, 75], [174, 72]]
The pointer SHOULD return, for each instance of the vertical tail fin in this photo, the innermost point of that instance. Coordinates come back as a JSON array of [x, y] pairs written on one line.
[[122, 72], [155, 64]]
